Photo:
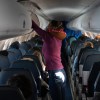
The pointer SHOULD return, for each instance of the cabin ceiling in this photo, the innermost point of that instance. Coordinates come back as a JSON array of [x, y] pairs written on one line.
[[64, 9]]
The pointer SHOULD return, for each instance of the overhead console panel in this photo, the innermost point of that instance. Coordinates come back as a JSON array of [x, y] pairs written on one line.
[[14, 19], [87, 22]]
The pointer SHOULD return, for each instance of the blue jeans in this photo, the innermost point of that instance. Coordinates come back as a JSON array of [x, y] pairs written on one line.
[[57, 84]]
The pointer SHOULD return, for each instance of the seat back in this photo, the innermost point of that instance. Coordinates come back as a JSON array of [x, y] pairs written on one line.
[[97, 84], [90, 60], [86, 53], [30, 65], [14, 54], [26, 64], [6, 74], [36, 60], [93, 76], [24, 47], [4, 61], [10, 93], [97, 89], [83, 58]]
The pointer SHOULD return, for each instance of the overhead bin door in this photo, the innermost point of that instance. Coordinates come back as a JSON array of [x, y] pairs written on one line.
[[15, 20]]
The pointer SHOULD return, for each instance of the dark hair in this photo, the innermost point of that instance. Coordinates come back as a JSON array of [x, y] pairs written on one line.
[[15, 45], [55, 23], [23, 83], [88, 44], [4, 53], [36, 49]]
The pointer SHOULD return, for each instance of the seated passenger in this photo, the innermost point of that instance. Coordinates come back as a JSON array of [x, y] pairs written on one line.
[[87, 45], [23, 83], [97, 38]]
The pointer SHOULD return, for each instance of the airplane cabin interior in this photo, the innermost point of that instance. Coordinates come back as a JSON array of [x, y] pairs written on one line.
[[21, 47]]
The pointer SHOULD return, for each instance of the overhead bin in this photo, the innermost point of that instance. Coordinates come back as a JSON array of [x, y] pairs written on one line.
[[87, 22], [36, 13], [15, 20]]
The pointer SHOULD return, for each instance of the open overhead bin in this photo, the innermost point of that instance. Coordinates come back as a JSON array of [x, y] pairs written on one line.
[[14, 19], [87, 22]]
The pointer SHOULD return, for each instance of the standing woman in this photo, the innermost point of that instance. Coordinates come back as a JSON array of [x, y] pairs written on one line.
[[51, 50]]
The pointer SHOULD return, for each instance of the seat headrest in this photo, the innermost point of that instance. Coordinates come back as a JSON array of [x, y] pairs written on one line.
[[4, 53]]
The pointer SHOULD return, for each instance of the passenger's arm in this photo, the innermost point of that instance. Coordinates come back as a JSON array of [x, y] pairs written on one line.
[[38, 29], [38, 54]]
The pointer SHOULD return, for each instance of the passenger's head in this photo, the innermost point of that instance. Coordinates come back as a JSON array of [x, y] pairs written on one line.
[[97, 37], [83, 37], [88, 44], [23, 83], [55, 24], [15, 45]]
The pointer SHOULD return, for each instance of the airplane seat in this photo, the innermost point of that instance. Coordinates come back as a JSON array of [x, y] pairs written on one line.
[[14, 54], [29, 64], [7, 74], [4, 61], [90, 60], [94, 92], [75, 58], [32, 44], [74, 45], [82, 60], [10, 93], [96, 97], [24, 47], [76, 51], [97, 88], [37, 62], [43, 74], [31, 51], [97, 45], [36, 41], [71, 39], [80, 66], [94, 72], [69, 50]]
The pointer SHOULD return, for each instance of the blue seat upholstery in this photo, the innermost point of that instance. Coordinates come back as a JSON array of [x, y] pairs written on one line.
[[14, 54], [24, 47], [26, 64], [4, 61]]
